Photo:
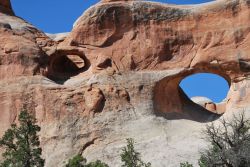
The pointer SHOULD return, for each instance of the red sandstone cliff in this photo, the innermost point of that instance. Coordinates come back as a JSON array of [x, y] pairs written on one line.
[[117, 75]]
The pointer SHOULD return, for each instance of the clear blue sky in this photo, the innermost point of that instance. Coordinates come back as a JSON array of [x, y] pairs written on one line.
[[54, 16], [208, 85]]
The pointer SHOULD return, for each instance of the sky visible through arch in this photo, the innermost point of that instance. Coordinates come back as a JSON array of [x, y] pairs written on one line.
[[55, 16]]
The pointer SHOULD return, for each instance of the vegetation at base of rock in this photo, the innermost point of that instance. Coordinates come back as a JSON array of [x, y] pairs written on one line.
[[130, 157], [79, 161], [21, 143], [230, 146], [97, 163], [76, 161], [186, 164], [230, 143]]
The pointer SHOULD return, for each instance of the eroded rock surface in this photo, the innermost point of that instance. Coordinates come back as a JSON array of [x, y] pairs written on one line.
[[117, 75]]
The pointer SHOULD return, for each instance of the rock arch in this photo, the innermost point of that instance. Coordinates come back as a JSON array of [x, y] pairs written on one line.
[[171, 102], [131, 72], [64, 64], [208, 90]]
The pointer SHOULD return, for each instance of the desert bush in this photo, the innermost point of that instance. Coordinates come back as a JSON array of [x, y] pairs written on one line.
[[230, 143]]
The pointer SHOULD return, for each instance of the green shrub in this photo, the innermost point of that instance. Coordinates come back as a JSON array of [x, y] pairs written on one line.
[[79, 161], [21, 143], [130, 157], [97, 163], [76, 161], [186, 164]]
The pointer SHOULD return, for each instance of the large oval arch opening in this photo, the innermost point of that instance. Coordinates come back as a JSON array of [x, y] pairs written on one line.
[[207, 90], [172, 98]]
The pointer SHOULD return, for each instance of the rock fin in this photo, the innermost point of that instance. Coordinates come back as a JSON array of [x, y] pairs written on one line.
[[6, 8]]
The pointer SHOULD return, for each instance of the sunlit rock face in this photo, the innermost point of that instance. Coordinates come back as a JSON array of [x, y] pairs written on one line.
[[117, 75]]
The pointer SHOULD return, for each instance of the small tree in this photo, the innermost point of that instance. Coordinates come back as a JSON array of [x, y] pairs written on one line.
[[76, 161], [186, 164], [130, 157], [97, 163], [230, 143], [21, 143], [79, 161]]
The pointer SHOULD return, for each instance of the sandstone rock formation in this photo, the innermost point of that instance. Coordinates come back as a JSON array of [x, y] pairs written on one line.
[[208, 104], [117, 75], [58, 37], [5, 7]]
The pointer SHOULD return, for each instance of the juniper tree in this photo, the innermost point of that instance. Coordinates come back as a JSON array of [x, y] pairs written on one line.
[[97, 163], [21, 143], [130, 157], [230, 143], [76, 161], [79, 161]]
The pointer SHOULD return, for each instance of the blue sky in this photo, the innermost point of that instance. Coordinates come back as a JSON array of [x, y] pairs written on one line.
[[54, 16], [208, 85]]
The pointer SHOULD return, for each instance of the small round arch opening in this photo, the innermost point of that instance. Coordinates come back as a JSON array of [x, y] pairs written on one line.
[[63, 66], [68, 64]]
